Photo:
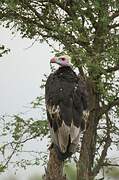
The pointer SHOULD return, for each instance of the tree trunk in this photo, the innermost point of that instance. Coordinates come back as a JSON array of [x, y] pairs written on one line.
[[87, 153], [54, 167]]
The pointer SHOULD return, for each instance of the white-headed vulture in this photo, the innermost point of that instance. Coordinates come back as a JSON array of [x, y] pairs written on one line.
[[66, 101]]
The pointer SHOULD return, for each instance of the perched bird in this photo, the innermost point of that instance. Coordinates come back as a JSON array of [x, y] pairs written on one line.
[[66, 101]]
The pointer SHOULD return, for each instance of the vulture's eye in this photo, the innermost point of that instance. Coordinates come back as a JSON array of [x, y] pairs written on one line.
[[63, 59]]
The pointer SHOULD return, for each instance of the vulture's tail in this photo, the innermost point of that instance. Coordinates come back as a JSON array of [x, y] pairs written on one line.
[[62, 156]]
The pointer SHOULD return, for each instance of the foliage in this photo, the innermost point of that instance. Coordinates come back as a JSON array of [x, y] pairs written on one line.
[[88, 30], [70, 171], [113, 172], [3, 50], [16, 132]]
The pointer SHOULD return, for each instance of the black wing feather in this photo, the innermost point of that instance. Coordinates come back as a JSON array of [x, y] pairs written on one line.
[[65, 101]]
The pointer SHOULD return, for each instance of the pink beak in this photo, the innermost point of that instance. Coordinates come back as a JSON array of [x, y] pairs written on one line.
[[53, 60]]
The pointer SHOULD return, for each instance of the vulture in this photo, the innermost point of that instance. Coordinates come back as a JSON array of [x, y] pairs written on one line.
[[66, 104]]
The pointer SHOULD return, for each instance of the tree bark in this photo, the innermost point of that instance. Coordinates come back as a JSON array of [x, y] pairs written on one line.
[[87, 153], [54, 167]]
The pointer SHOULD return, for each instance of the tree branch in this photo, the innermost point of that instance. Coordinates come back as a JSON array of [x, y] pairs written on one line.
[[105, 148], [11, 155], [114, 15], [113, 26], [109, 164], [33, 10], [51, 28], [63, 6], [106, 108], [112, 69]]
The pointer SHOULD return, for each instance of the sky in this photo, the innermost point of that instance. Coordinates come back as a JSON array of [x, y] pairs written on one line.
[[21, 74]]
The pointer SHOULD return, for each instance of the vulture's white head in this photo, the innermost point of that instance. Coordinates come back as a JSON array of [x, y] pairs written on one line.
[[63, 60]]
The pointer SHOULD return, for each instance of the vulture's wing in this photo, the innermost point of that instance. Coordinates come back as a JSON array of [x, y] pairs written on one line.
[[65, 104]]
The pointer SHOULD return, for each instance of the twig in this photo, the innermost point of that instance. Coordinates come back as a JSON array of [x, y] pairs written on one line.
[[10, 157], [106, 108], [109, 164], [105, 148], [32, 44]]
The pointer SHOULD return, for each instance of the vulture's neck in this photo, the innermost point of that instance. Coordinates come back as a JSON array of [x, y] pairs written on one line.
[[66, 73], [65, 68]]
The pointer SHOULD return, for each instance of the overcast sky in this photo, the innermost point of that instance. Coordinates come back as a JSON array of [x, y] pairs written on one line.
[[21, 72]]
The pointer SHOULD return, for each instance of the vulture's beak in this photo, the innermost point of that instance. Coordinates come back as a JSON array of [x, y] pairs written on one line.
[[53, 60]]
